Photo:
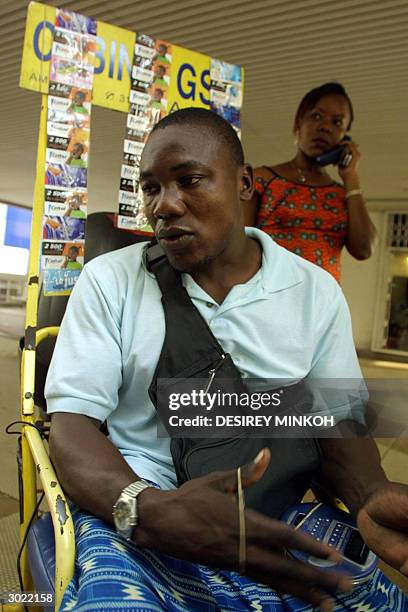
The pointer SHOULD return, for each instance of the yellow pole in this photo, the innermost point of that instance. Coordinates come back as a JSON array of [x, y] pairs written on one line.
[[28, 358], [34, 262]]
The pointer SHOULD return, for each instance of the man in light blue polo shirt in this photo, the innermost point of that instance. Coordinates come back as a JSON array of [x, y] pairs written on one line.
[[289, 321], [280, 317]]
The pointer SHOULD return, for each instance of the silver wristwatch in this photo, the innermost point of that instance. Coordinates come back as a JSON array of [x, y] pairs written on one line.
[[125, 514]]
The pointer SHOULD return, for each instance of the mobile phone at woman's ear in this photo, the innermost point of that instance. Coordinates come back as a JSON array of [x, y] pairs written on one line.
[[334, 156]]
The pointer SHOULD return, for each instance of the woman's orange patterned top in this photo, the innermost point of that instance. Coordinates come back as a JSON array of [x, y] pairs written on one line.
[[309, 221]]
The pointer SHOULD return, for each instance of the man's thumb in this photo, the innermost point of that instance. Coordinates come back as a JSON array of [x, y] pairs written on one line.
[[250, 472]]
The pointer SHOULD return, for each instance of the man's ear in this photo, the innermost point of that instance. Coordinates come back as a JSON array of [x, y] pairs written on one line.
[[246, 182]]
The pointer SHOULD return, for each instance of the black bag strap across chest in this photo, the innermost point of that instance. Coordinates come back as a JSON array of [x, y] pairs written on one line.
[[188, 337], [188, 351]]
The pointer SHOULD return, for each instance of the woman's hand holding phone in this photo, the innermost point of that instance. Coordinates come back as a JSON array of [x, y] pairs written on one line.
[[335, 156], [347, 166]]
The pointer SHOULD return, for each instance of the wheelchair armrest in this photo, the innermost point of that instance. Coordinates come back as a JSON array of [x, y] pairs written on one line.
[[60, 513]]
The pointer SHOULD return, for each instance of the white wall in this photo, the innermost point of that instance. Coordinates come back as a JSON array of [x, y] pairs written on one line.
[[360, 280]]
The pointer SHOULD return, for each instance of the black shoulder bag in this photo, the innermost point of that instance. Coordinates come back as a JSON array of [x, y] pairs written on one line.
[[190, 350]]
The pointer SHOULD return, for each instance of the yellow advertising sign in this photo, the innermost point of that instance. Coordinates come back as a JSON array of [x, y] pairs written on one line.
[[35, 66], [190, 77], [114, 60]]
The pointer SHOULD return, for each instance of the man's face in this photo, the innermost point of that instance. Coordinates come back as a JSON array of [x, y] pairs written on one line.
[[191, 190], [162, 49]]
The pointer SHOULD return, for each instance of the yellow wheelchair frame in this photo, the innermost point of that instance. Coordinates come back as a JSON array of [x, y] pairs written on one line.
[[35, 462]]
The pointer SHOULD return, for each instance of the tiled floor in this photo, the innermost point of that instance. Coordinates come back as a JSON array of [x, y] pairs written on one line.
[[8, 505], [394, 451]]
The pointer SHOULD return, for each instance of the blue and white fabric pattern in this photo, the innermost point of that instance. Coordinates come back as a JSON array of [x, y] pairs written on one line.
[[114, 575]]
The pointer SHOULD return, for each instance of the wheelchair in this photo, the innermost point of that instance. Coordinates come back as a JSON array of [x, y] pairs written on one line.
[[47, 552]]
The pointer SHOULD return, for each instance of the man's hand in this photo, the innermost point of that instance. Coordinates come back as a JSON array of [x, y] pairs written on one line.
[[199, 522], [383, 523]]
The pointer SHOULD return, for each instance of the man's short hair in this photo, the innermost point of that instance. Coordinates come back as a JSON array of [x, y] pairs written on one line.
[[194, 116]]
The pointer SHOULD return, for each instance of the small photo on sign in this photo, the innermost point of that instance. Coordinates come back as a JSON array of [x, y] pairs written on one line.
[[71, 149], [73, 46], [163, 52], [62, 256], [79, 135], [75, 22], [76, 205], [79, 108], [63, 175], [60, 202], [69, 100], [223, 71], [159, 100], [69, 72], [161, 75], [61, 265], [88, 48], [69, 118], [73, 256], [77, 154], [63, 228]]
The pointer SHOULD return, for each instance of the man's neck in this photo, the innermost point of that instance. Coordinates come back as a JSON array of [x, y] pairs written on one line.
[[219, 277]]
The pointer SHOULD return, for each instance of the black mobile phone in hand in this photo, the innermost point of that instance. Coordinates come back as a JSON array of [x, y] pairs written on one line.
[[334, 156], [339, 530]]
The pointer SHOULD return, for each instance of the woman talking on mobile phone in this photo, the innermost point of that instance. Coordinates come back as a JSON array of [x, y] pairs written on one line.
[[297, 202]]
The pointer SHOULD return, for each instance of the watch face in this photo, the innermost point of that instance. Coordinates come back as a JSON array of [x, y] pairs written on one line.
[[122, 515]]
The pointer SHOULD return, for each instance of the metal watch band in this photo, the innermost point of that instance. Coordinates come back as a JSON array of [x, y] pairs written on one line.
[[129, 494], [135, 488]]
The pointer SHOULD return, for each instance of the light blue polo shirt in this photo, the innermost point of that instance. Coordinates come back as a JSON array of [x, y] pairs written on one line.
[[289, 321]]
